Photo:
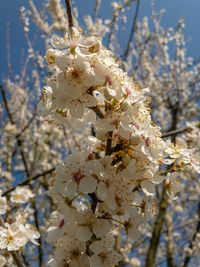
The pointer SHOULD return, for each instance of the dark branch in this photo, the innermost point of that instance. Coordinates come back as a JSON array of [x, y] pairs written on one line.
[[151, 253], [98, 112], [6, 104], [28, 181], [69, 13], [175, 132], [109, 144]]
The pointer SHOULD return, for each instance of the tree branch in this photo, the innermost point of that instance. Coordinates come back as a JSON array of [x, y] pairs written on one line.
[[26, 182], [6, 104], [176, 132], [151, 253], [69, 13], [170, 243]]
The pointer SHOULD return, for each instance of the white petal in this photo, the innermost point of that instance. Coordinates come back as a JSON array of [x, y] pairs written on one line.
[[76, 109], [88, 185], [102, 227], [124, 132], [158, 179], [101, 191], [148, 188], [133, 233], [168, 161], [83, 233], [3, 243], [88, 100], [131, 166], [70, 188], [95, 261], [114, 257], [110, 201]]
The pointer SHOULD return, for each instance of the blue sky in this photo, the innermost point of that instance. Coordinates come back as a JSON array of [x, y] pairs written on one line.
[[9, 12]]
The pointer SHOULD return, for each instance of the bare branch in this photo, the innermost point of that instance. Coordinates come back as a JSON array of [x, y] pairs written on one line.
[[69, 13], [6, 104], [170, 242], [98, 112], [28, 181], [176, 132], [151, 253]]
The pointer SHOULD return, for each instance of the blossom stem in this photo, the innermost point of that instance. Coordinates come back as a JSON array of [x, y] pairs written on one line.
[[114, 220], [109, 143], [98, 112], [71, 200]]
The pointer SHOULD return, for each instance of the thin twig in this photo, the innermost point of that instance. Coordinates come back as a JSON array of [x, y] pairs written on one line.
[[96, 9], [176, 132], [28, 181], [133, 29], [6, 104], [27, 125], [10, 72]]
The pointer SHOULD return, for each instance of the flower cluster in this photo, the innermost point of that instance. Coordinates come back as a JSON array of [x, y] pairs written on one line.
[[111, 183], [16, 235]]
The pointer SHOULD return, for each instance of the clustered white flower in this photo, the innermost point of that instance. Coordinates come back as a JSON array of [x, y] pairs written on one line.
[[21, 195], [16, 235], [111, 183]]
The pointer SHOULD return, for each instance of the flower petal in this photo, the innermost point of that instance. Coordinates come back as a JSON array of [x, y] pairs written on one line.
[[88, 185]]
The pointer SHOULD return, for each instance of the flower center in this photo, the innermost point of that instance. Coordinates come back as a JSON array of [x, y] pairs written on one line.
[[78, 175]]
